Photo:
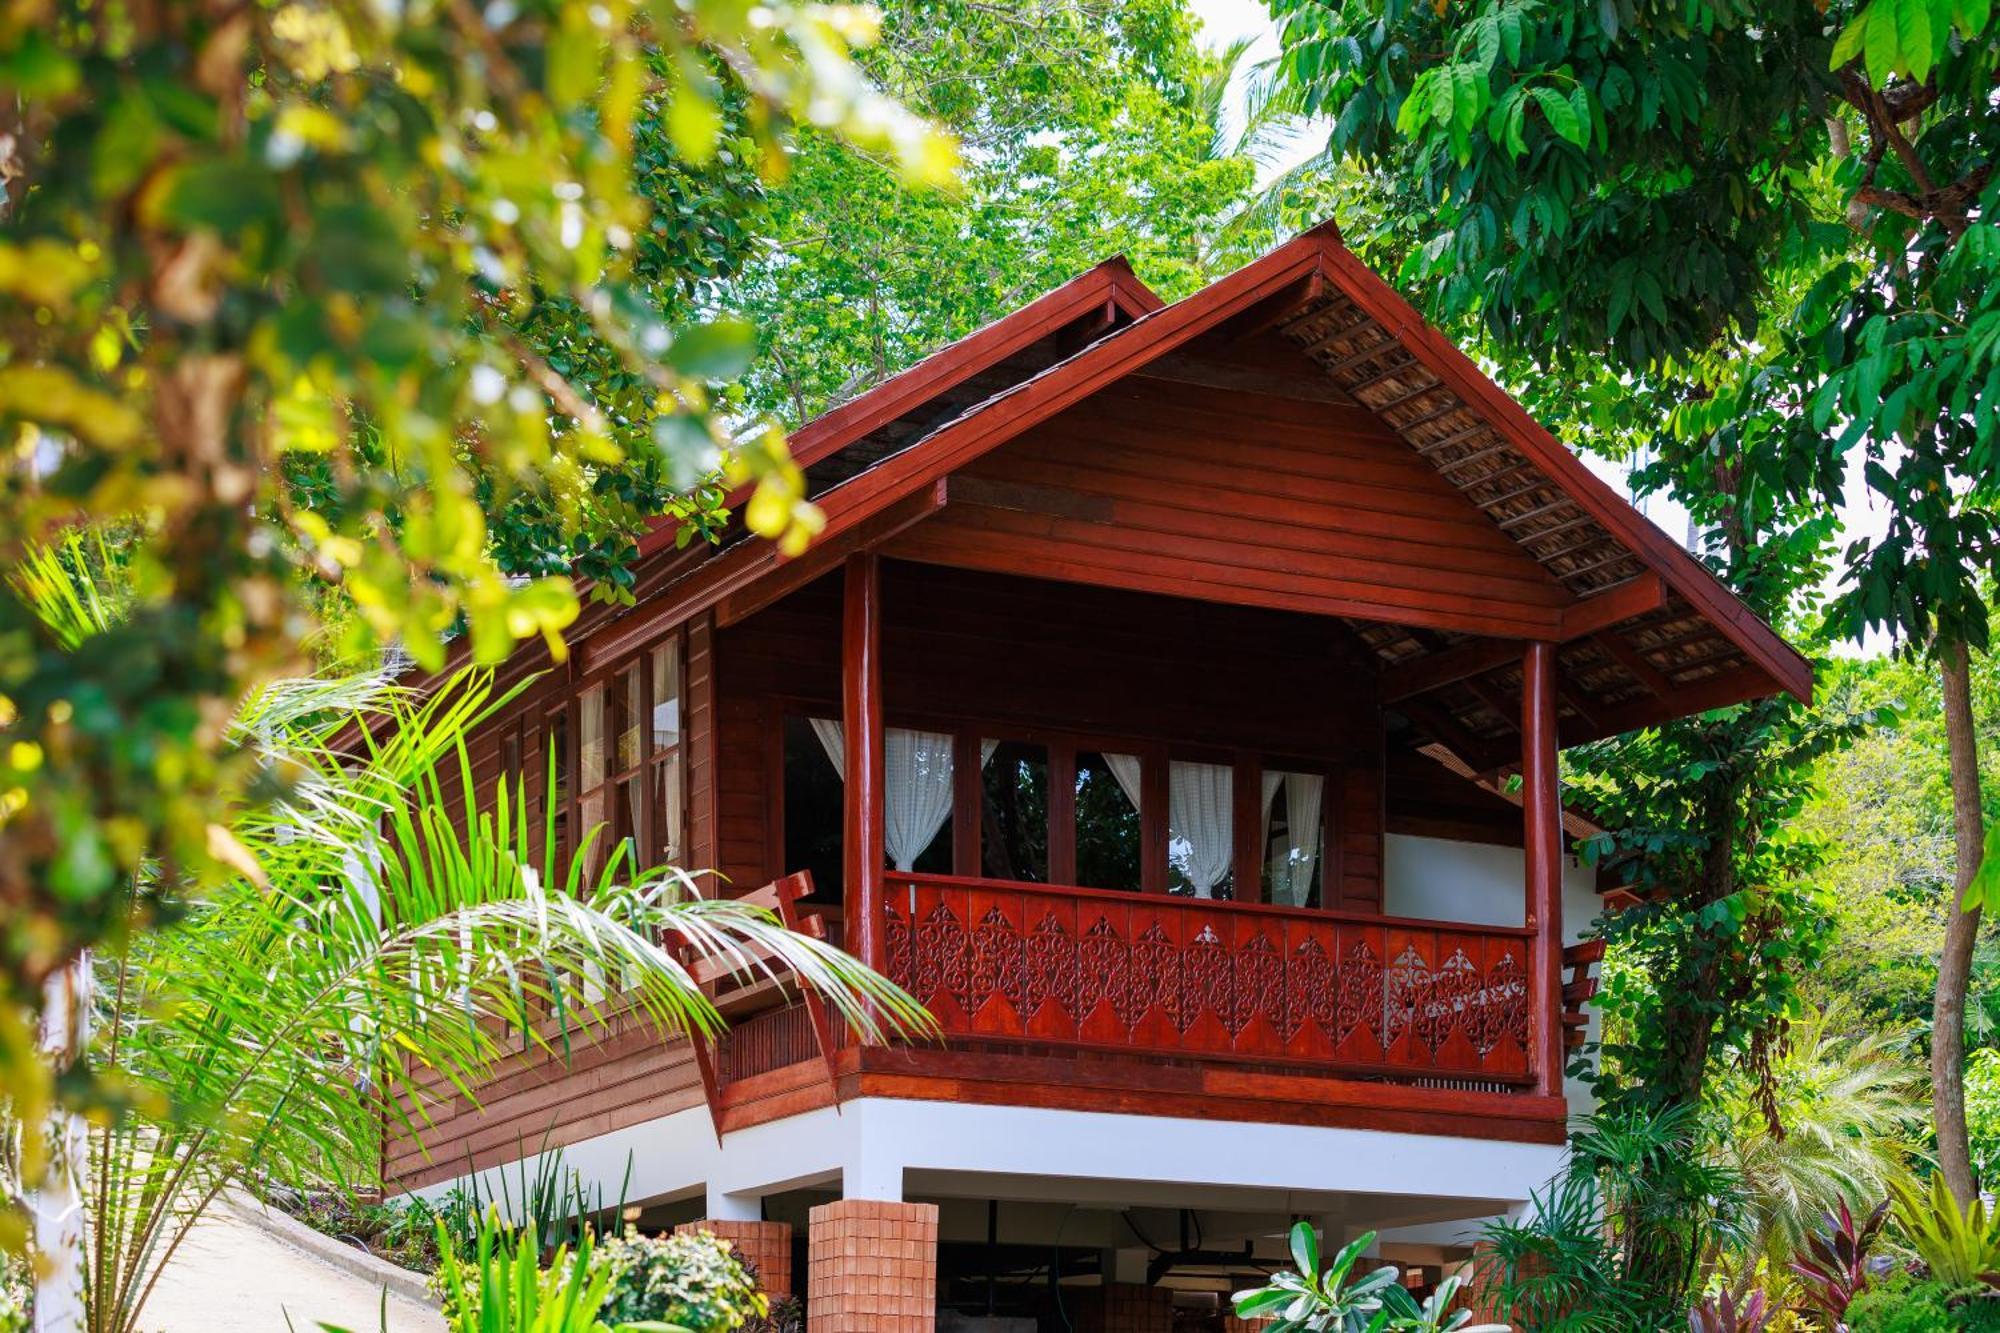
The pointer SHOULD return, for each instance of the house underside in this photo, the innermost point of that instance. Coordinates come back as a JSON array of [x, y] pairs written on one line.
[[1172, 706]]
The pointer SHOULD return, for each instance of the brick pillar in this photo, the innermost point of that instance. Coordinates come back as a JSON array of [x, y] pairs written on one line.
[[765, 1246], [874, 1267], [1129, 1307], [1231, 1324]]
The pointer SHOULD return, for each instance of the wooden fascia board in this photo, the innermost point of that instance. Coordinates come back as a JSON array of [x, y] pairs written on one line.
[[1779, 660], [742, 567]]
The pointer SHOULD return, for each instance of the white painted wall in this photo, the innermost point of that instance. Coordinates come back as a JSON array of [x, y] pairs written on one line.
[[872, 1144], [1437, 879]]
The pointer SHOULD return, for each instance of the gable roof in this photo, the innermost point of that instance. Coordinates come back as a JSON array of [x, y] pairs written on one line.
[[1649, 633]]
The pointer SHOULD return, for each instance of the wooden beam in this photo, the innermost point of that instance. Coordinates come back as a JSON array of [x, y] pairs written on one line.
[[1600, 611], [1626, 655], [1475, 657], [1541, 812], [861, 737], [1478, 755], [1284, 308], [828, 553]]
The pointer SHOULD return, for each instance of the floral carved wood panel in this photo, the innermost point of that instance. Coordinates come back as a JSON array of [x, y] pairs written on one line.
[[1188, 978]]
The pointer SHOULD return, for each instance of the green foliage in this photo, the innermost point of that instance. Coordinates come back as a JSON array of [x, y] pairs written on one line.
[[389, 942], [298, 295], [1091, 129], [1960, 1247], [1902, 1304], [549, 1195], [503, 1287], [1849, 1114], [1622, 1237], [1313, 1297], [693, 1280]]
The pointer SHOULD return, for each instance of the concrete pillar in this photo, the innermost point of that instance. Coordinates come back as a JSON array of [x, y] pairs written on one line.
[[733, 1207], [874, 1267]]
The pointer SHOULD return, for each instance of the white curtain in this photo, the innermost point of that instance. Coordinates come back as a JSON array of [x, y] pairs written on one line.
[[916, 784], [1291, 879], [1200, 823], [1126, 769]]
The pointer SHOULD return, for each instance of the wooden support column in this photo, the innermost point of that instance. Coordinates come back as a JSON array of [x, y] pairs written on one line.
[[861, 737], [1541, 808]]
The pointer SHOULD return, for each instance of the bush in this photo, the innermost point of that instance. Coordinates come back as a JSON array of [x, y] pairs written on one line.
[[1902, 1304], [693, 1280]]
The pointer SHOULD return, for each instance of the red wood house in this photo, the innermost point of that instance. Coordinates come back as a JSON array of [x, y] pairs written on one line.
[[1142, 709]]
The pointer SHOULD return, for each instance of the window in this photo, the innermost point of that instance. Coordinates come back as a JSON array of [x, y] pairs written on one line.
[[1201, 829], [667, 758], [1109, 851], [1015, 822], [592, 801], [1293, 828], [815, 803]]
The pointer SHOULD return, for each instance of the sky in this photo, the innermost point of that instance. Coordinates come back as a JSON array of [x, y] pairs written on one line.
[[1225, 20]]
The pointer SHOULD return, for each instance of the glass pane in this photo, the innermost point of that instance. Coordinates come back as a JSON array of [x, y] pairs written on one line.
[[631, 818], [667, 695], [1015, 844], [917, 794], [631, 720], [1201, 829], [591, 811], [1107, 820], [668, 809], [558, 759], [590, 757], [1292, 832], [815, 802]]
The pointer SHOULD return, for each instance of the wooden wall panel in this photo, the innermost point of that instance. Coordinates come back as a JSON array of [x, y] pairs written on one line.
[[1159, 485], [1029, 655], [625, 1075], [702, 760]]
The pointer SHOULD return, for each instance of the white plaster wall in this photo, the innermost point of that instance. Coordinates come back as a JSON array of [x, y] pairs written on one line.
[[1438, 879]]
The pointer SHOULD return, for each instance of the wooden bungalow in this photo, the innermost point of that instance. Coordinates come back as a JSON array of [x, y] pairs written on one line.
[[1150, 708]]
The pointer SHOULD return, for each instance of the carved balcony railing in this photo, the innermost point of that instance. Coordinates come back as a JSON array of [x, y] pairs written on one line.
[[1192, 979]]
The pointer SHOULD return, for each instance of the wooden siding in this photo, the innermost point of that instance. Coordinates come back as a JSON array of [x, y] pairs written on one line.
[[624, 1073], [1030, 656], [1238, 497]]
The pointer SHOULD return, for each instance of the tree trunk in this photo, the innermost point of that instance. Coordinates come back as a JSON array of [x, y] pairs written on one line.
[[56, 1204], [1961, 930]]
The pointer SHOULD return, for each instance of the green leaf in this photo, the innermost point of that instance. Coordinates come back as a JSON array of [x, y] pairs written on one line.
[[718, 351], [1305, 1248], [1561, 115]]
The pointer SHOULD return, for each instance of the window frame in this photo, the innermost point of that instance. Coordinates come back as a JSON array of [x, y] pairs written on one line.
[[1063, 744]]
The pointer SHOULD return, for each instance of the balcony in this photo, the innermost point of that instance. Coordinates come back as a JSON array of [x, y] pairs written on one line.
[[1157, 1004]]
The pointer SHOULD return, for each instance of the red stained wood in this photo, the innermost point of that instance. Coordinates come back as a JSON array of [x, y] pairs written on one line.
[[1634, 597], [1541, 810], [862, 724], [1186, 979]]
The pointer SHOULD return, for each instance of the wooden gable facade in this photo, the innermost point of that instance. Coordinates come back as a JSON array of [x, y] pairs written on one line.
[[1279, 536]]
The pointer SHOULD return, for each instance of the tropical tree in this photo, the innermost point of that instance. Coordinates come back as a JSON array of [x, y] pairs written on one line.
[[1776, 218], [280, 288], [389, 949], [1089, 128]]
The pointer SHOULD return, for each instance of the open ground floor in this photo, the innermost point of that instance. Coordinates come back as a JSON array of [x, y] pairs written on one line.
[[892, 1216]]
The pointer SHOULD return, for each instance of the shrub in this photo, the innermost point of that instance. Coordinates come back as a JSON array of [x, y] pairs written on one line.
[[1901, 1304], [693, 1280]]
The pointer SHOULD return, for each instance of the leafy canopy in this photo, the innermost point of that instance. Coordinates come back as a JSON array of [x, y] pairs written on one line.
[[297, 294]]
